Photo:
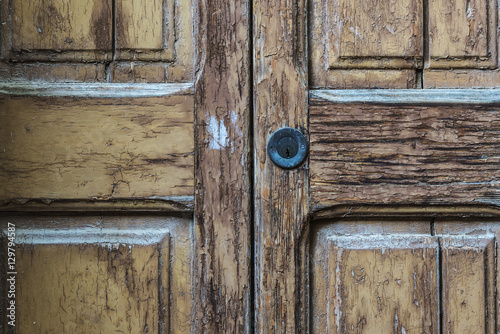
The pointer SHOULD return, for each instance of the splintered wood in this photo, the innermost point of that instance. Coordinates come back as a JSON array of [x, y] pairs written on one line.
[[365, 153]]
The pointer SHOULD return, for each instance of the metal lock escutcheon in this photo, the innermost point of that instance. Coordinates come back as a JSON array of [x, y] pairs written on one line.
[[287, 148]]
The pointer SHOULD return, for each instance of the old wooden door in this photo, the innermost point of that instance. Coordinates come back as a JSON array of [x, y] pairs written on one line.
[[138, 196], [392, 224]]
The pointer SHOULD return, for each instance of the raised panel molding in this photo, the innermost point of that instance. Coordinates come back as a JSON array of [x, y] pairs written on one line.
[[153, 41], [145, 30], [387, 44], [96, 141], [59, 30], [462, 34], [404, 275], [81, 274]]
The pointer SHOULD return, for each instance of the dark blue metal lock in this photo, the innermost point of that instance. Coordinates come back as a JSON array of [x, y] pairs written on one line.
[[287, 148]]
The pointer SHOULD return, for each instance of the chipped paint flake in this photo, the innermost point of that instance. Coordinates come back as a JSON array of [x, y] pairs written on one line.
[[217, 133]]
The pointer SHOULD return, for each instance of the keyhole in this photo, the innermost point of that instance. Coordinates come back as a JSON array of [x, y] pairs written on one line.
[[288, 147]]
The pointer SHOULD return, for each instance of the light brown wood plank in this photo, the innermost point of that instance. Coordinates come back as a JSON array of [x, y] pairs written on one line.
[[71, 30], [407, 153], [461, 78], [468, 294], [50, 72], [371, 283], [361, 79], [145, 29], [473, 241], [462, 34], [102, 274], [67, 147], [222, 168], [143, 72], [281, 204]]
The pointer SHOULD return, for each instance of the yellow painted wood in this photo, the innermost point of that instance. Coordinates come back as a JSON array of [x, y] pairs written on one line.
[[367, 282], [96, 148], [58, 26], [359, 44], [462, 33], [102, 274], [361, 29], [464, 78], [145, 29], [468, 294]]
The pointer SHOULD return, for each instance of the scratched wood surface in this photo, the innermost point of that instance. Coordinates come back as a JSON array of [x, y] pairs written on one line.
[[145, 26], [95, 274], [69, 147], [408, 153], [404, 275], [359, 44], [280, 196], [222, 169]]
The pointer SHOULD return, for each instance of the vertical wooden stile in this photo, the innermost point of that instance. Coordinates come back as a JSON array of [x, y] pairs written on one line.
[[281, 205], [222, 168]]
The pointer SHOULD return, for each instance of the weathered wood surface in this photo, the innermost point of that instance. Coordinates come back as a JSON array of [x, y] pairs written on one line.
[[353, 79], [62, 30], [468, 276], [53, 72], [104, 142], [414, 152], [473, 271], [464, 78], [462, 34], [222, 169], [353, 43], [102, 274], [158, 33], [280, 196], [154, 41], [359, 44], [374, 276], [145, 26]]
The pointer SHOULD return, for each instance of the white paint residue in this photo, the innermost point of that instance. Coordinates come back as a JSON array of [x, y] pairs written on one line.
[[338, 301], [218, 134], [356, 32], [113, 238], [403, 330], [234, 120], [396, 323]]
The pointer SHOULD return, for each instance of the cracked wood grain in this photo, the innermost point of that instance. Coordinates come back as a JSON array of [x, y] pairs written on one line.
[[414, 154], [222, 168], [281, 206], [88, 148]]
